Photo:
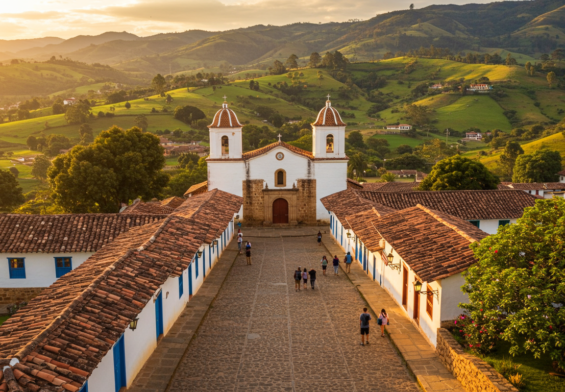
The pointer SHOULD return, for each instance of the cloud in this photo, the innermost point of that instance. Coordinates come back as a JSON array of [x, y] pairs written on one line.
[[34, 15]]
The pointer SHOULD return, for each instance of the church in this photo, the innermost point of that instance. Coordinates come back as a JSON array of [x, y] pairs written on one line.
[[279, 183]]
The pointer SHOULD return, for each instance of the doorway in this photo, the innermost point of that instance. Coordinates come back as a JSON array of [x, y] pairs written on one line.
[[280, 211], [417, 307], [119, 352], [405, 287]]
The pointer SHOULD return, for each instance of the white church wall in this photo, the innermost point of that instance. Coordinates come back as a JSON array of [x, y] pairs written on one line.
[[296, 167], [490, 226], [227, 176], [319, 142], [234, 136], [331, 177], [39, 268]]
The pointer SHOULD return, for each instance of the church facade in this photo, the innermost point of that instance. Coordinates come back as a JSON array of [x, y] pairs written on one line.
[[279, 183]]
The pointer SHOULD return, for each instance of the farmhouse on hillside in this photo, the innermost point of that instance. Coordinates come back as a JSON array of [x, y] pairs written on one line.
[[399, 127]]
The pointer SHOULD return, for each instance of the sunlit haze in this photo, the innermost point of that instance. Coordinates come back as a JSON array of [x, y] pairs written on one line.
[[67, 18]]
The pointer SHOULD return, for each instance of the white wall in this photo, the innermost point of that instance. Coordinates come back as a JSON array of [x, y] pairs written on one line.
[[429, 325], [452, 296], [234, 136], [490, 226], [39, 268], [319, 137], [331, 177], [102, 378]]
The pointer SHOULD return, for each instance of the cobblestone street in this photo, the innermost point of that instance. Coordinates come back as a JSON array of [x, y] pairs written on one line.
[[261, 335]]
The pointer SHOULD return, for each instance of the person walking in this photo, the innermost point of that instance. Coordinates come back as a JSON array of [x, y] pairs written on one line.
[[248, 252], [239, 240], [319, 238], [305, 277], [336, 264], [383, 320], [324, 264], [312, 274], [297, 279], [348, 260], [364, 323]]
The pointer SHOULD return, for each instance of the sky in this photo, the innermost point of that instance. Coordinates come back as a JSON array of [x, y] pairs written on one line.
[[21, 19]]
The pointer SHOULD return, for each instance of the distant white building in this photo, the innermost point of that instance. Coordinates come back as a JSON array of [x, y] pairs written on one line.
[[437, 86], [481, 88], [546, 190], [473, 136], [69, 101], [399, 127], [561, 176]]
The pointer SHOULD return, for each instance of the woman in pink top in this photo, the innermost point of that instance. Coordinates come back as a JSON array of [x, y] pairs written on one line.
[[383, 320]]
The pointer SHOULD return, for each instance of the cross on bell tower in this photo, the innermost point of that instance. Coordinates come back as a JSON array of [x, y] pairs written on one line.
[[279, 137]]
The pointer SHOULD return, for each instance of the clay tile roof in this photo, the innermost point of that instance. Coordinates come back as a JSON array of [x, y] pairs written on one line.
[[148, 208], [266, 149], [328, 117], [172, 202], [391, 186], [468, 205], [225, 118], [434, 244], [363, 226], [354, 184], [69, 233], [72, 325], [534, 186], [197, 188], [562, 173], [349, 202]]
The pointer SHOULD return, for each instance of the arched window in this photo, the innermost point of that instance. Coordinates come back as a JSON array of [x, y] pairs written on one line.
[[280, 178], [225, 145], [330, 143]]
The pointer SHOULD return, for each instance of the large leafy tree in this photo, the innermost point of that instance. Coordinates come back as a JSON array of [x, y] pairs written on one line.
[[77, 113], [159, 83], [541, 166], [518, 285], [193, 174], [41, 165], [291, 61], [315, 59], [118, 167], [189, 114], [10, 192], [458, 173], [509, 156]]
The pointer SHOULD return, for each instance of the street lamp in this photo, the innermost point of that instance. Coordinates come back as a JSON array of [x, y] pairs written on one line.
[[392, 266], [215, 243], [199, 253], [133, 324], [348, 234], [418, 289]]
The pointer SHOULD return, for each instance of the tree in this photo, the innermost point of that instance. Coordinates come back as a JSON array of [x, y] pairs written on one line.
[[315, 59], [142, 122], [551, 79], [127, 105], [528, 66], [56, 143], [118, 167], [411, 7], [357, 164], [388, 177], [23, 114], [404, 149], [374, 142], [77, 113], [541, 166], [291, 61], [84, 129], [58, 108], [10, 192], [517, 282], [15, 172], [194, 173], [185, 159], [406, 162], [355, 138], [158, 83], [458, 173], [277, 68], [434, 150], [168, 99], [188, 114], [418, 114], [509, 156], [510, 60], [32, 142]]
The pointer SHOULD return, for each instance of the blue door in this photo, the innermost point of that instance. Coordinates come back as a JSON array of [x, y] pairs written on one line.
[[190, 279], [159, 314], [374, 268], [365, 260], [119, 364]]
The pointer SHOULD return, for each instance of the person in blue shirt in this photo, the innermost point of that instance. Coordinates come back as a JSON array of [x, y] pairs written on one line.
[[348, 260]]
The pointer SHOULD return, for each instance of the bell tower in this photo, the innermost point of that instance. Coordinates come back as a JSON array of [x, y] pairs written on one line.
[[225, 134], [328, 133]]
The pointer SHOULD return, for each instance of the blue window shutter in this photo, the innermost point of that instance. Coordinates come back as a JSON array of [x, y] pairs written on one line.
[[63, 265], [17, 267], [196, 264], [476, 223], [119, 352], [503, 223], [84, 387], [190, 292], [181, 285]]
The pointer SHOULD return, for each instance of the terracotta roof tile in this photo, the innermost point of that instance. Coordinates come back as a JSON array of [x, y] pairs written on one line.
[[354, 184], [225, 118], [562, 173], [197, 188], [328, 117], [69, 233], [434, 244], [172, 202], [468, 205], [266, 149], [363, 226], [148, 208], [91, 306], [391, 186], [533, 186], [349, 202]]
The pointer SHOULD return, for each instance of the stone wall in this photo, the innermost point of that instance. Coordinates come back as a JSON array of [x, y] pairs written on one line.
[[253, 208], [13, 295], [306, 201], [473, 373]]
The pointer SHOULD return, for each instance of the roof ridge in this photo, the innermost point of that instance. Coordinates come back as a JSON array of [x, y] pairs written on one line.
[[442, 221]]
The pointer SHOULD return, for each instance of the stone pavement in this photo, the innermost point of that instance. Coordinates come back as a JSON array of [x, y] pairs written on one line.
[[159, 368], [262, 335], [419, 354]]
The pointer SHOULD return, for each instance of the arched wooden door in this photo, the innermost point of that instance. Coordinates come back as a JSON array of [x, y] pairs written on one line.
[[280, 211]]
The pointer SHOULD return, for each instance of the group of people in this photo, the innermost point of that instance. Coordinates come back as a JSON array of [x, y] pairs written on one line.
[[247, 246], [300, 275]]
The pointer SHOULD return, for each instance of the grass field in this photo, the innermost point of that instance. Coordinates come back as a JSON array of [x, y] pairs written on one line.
[[3, 319]]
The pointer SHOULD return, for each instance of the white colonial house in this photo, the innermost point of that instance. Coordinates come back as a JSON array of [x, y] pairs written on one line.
[[473, 136], [437, 86], [399, 127], [562, 176], [481, 88], [280, 183], [545, 190], [116, 306], [69, 101], [417, 255]]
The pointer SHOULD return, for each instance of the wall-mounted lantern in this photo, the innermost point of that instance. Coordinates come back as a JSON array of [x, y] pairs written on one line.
[[418, 289], [392, 266], [199, 253], [133, 324]]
